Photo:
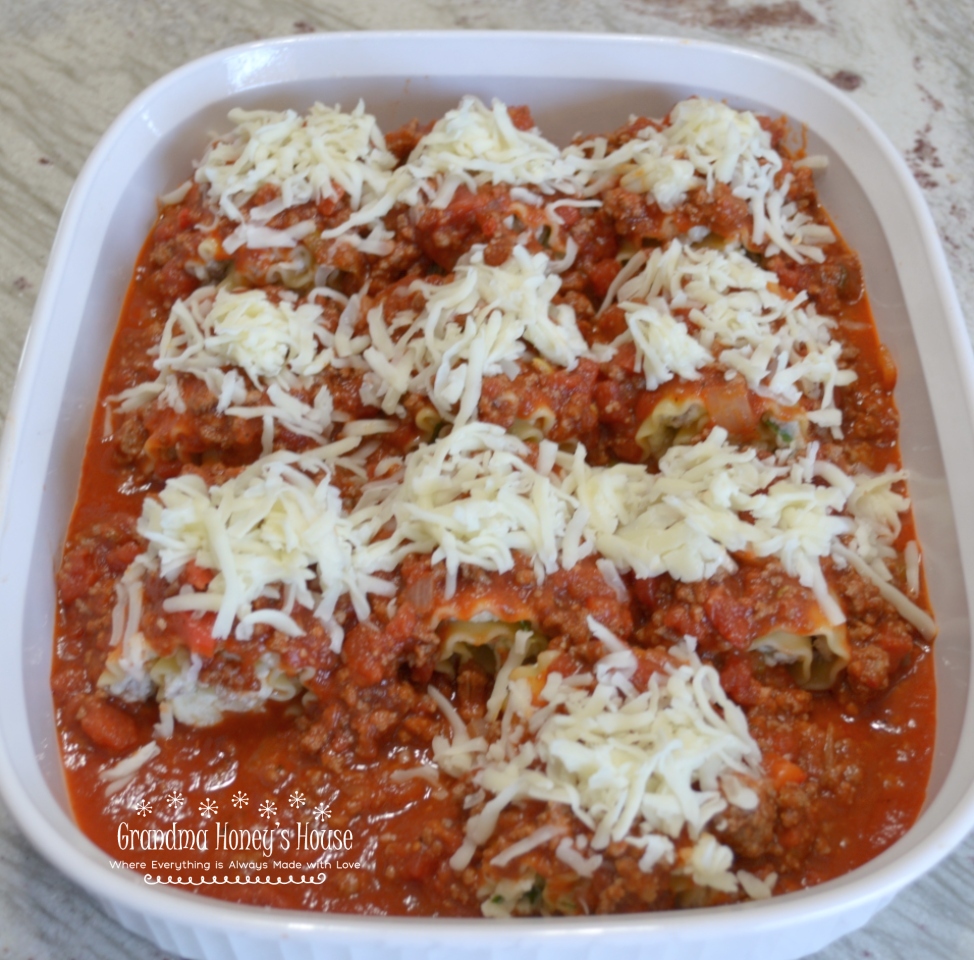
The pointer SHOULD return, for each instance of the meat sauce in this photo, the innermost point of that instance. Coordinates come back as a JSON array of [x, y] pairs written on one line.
[[313, 803]]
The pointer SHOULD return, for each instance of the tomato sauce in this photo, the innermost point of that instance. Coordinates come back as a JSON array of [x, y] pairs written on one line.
[[326, 801]]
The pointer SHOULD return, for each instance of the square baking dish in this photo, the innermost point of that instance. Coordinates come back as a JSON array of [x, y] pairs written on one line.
[[572, 82]]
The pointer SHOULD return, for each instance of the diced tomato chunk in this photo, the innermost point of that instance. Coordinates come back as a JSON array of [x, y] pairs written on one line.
[[625, 358], [186, 219], [108, 726], [77, 575], [121, 556], [738, 681], [731, 618], [196, 631], [648, 662], [401, 626], [782, 771], [646, 590], [196, 576], [569, 216], [521, 118], [373, 654], [602, 274]]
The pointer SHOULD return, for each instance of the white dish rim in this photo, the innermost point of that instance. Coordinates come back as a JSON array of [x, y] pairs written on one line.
[[79, 863]]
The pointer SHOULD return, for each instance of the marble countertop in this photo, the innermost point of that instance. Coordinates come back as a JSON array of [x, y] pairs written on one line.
[[68, 67]]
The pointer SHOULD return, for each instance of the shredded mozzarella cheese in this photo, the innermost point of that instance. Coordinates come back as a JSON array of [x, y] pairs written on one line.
[[477, 325], [689, 307], [634, 767], [323, 155], [705, 143], [474, 145], [217, 333]]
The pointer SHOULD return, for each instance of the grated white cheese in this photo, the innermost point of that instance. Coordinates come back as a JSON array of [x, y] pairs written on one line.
[[911, 559], [632, 767], [611, 576], [906, 608], [571, 857], [470, 497], [532, 840], [271, 524], [259, 237], [474, 145], [477, 325], [690, 307], [126, 674], [120, 774], [652, 770], [705, 143], [329, 153], [877, 507], [755, 887], [218, 333], [708, 501], [324, 154], [663, 344]]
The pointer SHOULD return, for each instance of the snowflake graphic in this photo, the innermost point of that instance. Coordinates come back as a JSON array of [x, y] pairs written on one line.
[[322, 811], [240, 799], [297, 799], [175, 799], [208, 807], [268, 808], [143, 808]]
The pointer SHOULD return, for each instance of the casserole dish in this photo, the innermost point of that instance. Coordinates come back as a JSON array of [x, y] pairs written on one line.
[[571, 83]]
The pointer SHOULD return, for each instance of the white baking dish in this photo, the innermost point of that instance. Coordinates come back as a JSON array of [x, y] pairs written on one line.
[[572, 82]]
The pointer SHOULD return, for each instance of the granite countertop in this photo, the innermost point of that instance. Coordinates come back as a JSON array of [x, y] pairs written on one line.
[[68, 67]]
